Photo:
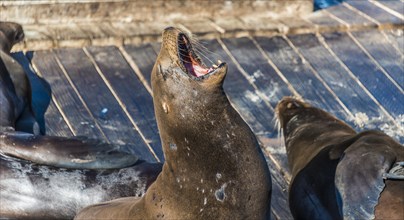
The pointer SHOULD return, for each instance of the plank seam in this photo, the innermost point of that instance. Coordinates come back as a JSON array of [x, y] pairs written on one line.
[[387, 9], [56, 104], [375, 61], [272, 64], [118, 99], [245, 74], [136, 69], [391, 43], [78, 95], [350, 7], [324, 43], [315, 73]]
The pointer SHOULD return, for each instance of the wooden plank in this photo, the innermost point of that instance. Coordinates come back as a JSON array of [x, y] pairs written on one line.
[[301, 76], [131, 92], [144, 57], [340, 81], [55, 124], [78, 117], [101, 103], [200, 27], [394, 5], [374, 12], [384, 53], [375, 81], [48, 116], [349, 17], [396, 38], [325, 22], [260, 73], [279, 198]]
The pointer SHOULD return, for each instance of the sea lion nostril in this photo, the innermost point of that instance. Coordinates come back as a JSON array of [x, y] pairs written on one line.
[[169, 29]]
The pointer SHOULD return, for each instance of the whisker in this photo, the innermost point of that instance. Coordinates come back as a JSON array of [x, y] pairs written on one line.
[[202, 54]]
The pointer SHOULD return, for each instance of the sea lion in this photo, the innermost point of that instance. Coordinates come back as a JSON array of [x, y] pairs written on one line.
[[54, 177], [214, 167], [16, 88], [338, 173], [11, 33], [33, 191]]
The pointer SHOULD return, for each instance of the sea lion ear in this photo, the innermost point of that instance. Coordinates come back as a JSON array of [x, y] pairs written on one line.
[[363, 165]]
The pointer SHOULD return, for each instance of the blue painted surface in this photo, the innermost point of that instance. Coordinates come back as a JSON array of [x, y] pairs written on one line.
[[41, 91], [321, 4]]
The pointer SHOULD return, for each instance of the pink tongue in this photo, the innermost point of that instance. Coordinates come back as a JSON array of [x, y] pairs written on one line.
[[200, 71]]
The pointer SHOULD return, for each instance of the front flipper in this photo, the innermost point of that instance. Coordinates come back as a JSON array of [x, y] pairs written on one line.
[[359, 175], [63, 152]]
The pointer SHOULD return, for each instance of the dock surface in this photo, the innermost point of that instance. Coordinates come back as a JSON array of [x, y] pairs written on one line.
[[347, 60]]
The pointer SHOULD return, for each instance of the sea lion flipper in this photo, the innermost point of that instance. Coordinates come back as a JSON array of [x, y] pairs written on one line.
[[363, 165], [396, 172], [40, 92], [78, 153], [27, 122]]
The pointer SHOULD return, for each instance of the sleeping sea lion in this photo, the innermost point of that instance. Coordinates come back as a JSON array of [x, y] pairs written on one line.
[[48, 177]]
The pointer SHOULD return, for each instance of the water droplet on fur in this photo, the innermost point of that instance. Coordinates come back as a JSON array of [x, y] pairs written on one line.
[[173, 146], [165, 107]]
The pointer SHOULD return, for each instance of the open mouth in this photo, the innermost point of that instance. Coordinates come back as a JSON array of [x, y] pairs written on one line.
[[190, 62]]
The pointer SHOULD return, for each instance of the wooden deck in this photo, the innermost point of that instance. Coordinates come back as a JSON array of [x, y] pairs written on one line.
[[104, 91]]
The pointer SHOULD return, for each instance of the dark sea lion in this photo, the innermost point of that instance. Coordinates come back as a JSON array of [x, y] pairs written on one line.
[[338, 173], [11, 33], [214, 167], [32, 191], [15, 86], [48, 177]]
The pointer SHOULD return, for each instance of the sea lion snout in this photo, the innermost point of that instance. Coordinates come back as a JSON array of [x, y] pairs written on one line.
[[177, 52]]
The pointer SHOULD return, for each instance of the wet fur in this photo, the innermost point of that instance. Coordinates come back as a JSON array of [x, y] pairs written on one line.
[[336, 172]]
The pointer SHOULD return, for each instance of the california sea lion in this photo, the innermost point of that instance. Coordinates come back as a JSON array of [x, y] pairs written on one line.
[[54, 177], [10, 34], [214, 167], [338, 173], [29, 108]]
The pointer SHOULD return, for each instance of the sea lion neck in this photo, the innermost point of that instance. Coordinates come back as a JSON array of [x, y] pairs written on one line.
[[301, 121]]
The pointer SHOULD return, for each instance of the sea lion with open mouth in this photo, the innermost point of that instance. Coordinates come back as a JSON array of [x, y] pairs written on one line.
[[338, 173], [48, 177], [214, 167]]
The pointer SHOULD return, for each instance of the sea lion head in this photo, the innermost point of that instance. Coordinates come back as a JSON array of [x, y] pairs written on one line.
[[289, 108], [178, 59], [10, 34], [184, 88], [307, 130], [294, 114]]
